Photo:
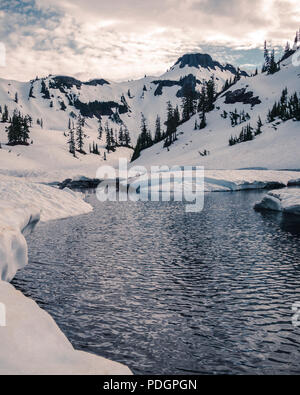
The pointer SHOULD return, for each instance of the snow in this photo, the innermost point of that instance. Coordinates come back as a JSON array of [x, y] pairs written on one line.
[[286, 200], [276, 148], [48, 156], [53, 203], [49, 151], [31, 342], [214, 180]]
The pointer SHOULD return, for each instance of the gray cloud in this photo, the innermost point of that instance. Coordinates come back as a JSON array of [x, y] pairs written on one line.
[[122, 39]]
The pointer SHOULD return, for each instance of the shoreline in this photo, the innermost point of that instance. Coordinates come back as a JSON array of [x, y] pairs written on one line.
[[31, 342]]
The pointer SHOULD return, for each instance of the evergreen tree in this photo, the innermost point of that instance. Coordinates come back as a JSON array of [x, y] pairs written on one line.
[[273, 67], [210, 93], [287, 48], [80, 134], [259, 126], [62, 106], [144, 139], [203, 121], [100, 129], [188, 102], [31, 92], [158, 134], [5, 114], [45, 90], [266, 65], [127, 139], [71, 141], [18, 130], [171, 124], [177, 115]]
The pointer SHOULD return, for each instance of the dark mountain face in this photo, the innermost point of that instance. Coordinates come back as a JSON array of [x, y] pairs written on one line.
[[197, 60], [204, 60]]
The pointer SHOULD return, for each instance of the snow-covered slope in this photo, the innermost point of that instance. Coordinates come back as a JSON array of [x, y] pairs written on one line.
[[56, 99], [276, 148], [104, 98]]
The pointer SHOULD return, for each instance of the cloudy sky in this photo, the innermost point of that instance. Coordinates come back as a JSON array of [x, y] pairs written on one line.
[[124, 39]]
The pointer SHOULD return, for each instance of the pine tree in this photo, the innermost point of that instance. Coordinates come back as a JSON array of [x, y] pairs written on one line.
[[5, 114], [267, 58], [127, 139], [259, 126], [31, 92], [18, 130], [100, 129], [177, 115], [203, 121], [172, 124], [210, 93], [62, 106], [287, 48], [80, 134], [121, 137], [188, 102], [196, 125], [158, 134], [273, 67], [144, 139], [25, 129], [16, 97], [71, 141], [45, 90]]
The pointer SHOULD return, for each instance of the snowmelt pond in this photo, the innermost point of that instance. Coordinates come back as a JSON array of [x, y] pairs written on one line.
[[163, 291]]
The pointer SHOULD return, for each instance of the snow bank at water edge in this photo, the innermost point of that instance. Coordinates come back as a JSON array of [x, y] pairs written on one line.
[[52, 202], [14, 221], [214, 180], [31, 342], [287, 201]]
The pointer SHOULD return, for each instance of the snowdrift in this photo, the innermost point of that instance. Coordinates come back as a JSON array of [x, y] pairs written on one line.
[[287, 201], [31, 342], [214, 180]]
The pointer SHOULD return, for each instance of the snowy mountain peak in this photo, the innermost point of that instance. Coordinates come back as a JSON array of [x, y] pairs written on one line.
[[196, 60], [205, 61]]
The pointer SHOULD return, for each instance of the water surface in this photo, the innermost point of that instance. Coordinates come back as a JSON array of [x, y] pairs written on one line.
[[168, 292]]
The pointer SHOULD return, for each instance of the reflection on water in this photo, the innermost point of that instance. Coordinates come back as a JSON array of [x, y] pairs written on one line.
[[287, 222], [164, 291]]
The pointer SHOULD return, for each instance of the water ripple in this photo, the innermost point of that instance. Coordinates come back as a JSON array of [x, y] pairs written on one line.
[[168, 292]]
